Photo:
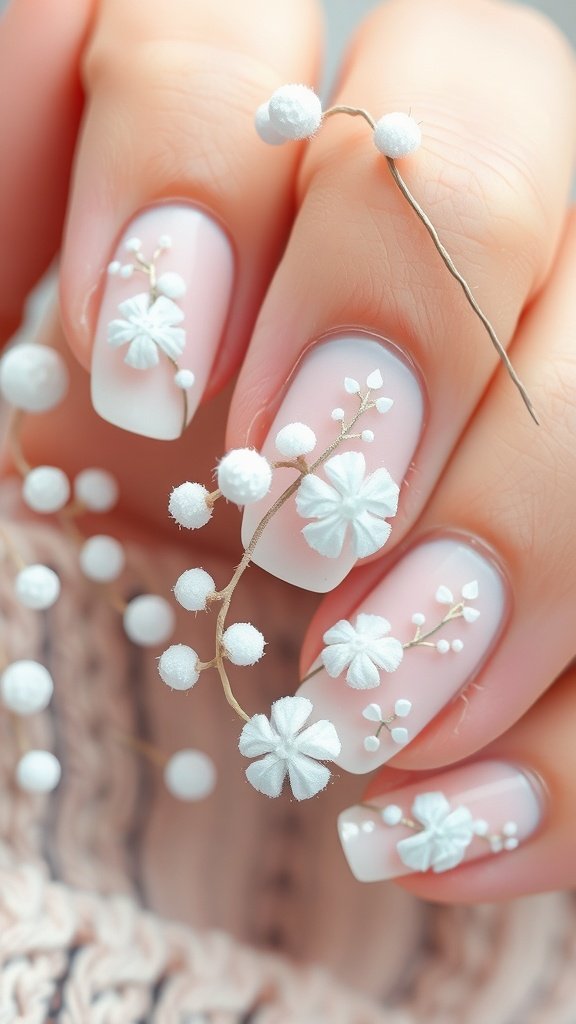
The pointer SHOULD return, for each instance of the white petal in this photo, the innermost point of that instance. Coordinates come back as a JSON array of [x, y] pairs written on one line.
[[386, 653], [267, 775], [372, 713], [172, 341], [341, 633], [374, 380], [399, 735], [142, 353], [470, 590], [315, 498], [351, 386], [416, 851], [120, 332], [380, 494], [336, 658], [289, 715], [307, 777], [402, 707], [430, 808], [326, 536], [444, 595], [319, 740], [137, 306], [447, 854], [459, 823], [470, 614], [369, 534], [163, 312], [372, 625], [346, 471], [362, 674], [257, 737], [383, 405]]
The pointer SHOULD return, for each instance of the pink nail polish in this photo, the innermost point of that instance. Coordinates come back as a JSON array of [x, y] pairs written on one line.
[[480, 810], [410, 647], [162, 315], [321, 395]]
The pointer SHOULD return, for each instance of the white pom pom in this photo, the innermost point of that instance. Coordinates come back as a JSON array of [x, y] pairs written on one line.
[[371, 744], [399, 735], [418, 619], [397, 135], [172, 285], [133, 245], [148, 620], [188, 506], [337, 414], [391, 814], [295, 111], [265, 130], [442, 646], [184, 379], [26, 687], [38, 771], [193, 588], [33, 377], [102, 558], [37, 587], [243, 643], [244, 476], [190, 775], [96, 489], [46, 489], [177, 667], [368, 436], [127, 270], [114, 267], [295, 439]]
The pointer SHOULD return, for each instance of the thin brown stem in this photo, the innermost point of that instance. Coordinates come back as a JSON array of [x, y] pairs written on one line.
[[420, 639], [139, 746], [15, 442], [351, 111], [12, 551]]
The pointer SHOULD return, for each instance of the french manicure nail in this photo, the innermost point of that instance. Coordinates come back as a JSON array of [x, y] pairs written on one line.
[[342, 508], [165, 302], [408, 650], [480, 810]]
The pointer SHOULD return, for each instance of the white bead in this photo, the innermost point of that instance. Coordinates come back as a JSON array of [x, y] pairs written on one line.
[[374, 380], [510, 829], [172, 285], [127, 270], [470, 590], [33, 377], [295, 439], [38, 771], [243, 643], [148, 620], [295, 111], [37, 587], [184, 379], [190, 775], [470, 614], [402, 708], [46, 489], [391, 814], [165, 242], [337, 414], [418, 619], [102, 558], [114, 267], [368, 436], [372, 713], [265, 130], [397, 135], [133, 245], [26, 687], [399, 735], [457, 646], [443, 647], [511, 844], [244, 476], [193, 588], [188, 506], [351, 386], [444, 595], [177, 667], [371, 744], [384, 404], [496, 844], [480, 827], [96, 489]]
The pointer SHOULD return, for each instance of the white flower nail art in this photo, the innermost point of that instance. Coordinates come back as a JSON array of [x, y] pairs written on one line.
[[288, 750], [146, 327], [363, 649]]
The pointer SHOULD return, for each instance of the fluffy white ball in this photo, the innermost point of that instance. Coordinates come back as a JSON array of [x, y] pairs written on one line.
[[184, 379], [37, 587], [397, 135], [295, 439], [295, 111], [102, 558], [244, 476], [177, 667], [97, 489], [172, 285], [26, 687], [148, 620], [33, 377], [46, 489], [187, 505], [192, 589], [243, 643], [190, 775], [38, 771], [265, 130]]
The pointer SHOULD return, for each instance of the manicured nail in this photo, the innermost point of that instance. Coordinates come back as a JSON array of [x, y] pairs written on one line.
[[164, 307], [408, 650], [480, 810], [342, 509]]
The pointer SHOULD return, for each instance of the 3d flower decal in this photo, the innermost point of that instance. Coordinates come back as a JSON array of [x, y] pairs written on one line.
[[363, 649], [146, 327], [444, 837], [288, 750], [354, 502]]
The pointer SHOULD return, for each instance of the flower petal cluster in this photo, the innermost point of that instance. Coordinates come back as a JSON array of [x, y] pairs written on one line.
[[351, 501], [289, 749], [148, 326], [363, 649], [444, 838]]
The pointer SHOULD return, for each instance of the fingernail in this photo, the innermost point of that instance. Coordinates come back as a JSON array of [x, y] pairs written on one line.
[[165, 302], [484, 809], [343, 509], [408, 649]]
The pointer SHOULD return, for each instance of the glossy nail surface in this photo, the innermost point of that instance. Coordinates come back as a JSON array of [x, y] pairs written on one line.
[[483, 809], [163, 311], [407, 650], [321, 395]]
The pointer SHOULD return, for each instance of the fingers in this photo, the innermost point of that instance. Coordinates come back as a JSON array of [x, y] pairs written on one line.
[[40, 107], [363, 268], [177, 195], [507, 817]]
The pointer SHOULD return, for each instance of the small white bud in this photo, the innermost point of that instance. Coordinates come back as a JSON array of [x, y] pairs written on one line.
[[384, 405], [372, 713], [177, 667], [244, 476], [374, 380], [133, 245], [38, 771], [37, 587], [418, 619], [184, 379], [402, 708], [351, 386], [165, 242], [368, 436], [480, 827], [148, 620], [470, 590], [371, 744], [337, 414], [172, 285], [190, 775], [444, 595], [243, 643], [96, 489], [391, 814], [127, 270], [295, 111], [26, 687], [192, 589], [295, 439], [399, 735], [33, 377], [264, 129], [397, 135], [443, 647], [46, 489], [470, 614], [188, 506], [511, 844], [510, 828], [457, 646], [114, 267], [102, 558]]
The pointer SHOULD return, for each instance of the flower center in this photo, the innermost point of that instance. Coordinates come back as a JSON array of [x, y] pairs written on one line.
[[349, 507], [285, 749], [143, 323]]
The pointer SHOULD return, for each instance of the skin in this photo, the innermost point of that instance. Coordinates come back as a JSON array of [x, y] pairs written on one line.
[[496, 167]]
